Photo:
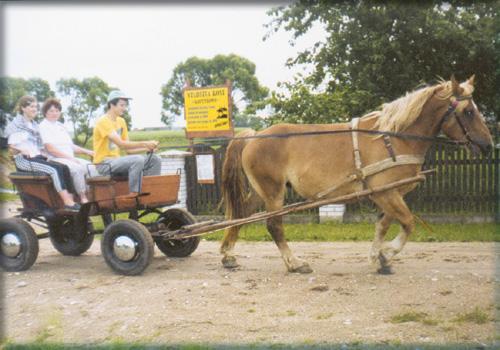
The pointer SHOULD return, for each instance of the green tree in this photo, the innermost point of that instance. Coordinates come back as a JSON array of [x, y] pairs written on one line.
[[11, 89], [87, 101], [247, 96], [374, 51], [248, 121]]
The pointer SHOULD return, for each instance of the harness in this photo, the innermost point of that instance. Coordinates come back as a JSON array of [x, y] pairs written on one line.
[[361, 173]]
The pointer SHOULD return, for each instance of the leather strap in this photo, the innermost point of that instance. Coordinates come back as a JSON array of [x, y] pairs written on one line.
[[355, 143], [388, 145]]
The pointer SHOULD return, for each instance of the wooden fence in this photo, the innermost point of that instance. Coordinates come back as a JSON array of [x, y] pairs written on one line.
[[204, 199], [462, 185]]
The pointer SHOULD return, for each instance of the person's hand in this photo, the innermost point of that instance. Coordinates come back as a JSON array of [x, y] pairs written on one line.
[[151, 145], [89, 152]]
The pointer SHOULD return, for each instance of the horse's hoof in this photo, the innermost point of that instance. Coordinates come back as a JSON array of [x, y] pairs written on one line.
[[302, 269], [229, 262], [385, 270]]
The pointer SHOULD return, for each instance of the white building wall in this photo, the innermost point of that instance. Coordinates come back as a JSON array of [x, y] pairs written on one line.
[[171, 163]]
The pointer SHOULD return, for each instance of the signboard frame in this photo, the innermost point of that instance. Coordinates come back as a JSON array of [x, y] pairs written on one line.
[[210, 133]]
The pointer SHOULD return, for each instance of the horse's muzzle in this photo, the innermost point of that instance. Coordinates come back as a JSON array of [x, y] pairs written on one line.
[[478, 147]]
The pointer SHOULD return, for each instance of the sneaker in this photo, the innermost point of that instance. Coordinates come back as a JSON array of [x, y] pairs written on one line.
[[74, 208]]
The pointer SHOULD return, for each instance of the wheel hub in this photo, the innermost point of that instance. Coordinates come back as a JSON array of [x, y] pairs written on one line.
[[11, 245], [125, 248]]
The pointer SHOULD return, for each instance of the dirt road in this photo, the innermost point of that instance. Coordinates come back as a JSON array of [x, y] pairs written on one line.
[[444, 290]]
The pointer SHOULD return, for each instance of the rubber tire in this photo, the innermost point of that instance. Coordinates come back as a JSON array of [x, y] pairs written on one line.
[[68, 246], [177, 248], [139, 233], [29, 245]]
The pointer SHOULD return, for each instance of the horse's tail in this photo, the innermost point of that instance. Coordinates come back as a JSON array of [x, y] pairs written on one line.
[[233, 178]]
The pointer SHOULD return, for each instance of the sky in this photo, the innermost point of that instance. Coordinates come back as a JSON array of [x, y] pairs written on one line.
[[136, 47]]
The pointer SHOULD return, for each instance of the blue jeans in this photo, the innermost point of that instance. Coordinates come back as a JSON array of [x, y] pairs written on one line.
[[134, 166]]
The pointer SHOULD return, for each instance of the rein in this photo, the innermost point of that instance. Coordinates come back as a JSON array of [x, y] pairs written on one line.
[[223, 140], [437, 139]]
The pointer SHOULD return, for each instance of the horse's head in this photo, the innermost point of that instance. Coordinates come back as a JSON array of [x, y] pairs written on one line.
[[463, 121]]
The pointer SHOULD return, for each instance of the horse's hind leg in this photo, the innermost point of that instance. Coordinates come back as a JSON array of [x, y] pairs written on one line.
[[231, 234], [275, 228], [395, 207]]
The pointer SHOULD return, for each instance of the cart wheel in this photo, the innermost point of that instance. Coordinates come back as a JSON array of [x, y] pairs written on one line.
[[127, 247], [19, 245], [69, 237], [174, 219]]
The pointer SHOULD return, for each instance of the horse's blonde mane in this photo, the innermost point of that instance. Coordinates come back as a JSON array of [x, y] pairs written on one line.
[[399, 114]]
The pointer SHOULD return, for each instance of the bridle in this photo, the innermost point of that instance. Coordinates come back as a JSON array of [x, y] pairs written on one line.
[[452, 111]]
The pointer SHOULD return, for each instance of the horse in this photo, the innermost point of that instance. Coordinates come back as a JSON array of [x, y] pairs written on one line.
[[258, 166]]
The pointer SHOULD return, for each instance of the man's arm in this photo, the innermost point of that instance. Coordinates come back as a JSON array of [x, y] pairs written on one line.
[[132, 145], [137, 150]]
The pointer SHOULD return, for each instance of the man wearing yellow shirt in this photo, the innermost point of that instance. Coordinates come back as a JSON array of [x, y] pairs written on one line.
[[111, 135]]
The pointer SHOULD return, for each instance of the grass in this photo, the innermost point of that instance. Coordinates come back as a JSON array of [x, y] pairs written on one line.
[[413, 316], [52, 328], [409, 316], [339, 232], [477, 316], [8, 197], [324, 316], [333, 231]]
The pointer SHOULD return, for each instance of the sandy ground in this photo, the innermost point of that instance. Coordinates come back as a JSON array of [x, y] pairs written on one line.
[[196, 300]]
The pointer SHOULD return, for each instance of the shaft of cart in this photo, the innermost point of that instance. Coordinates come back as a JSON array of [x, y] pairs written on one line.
[[206, 227]]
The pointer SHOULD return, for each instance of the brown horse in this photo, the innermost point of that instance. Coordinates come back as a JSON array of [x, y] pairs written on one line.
[[331, 164]]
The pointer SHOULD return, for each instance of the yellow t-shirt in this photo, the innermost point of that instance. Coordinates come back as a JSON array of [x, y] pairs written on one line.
[[103, 146]]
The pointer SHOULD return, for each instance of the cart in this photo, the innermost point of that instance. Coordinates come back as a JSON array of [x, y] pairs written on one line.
[[127, 245]]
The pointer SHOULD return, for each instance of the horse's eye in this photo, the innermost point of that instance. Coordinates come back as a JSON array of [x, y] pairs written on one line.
[[468, 113]]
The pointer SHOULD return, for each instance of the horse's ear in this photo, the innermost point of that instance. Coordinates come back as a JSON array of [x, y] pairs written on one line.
[[455, 86], [471, 79]]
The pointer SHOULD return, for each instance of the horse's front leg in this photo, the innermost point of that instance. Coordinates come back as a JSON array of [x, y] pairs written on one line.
[[394, 206], [381, 228]]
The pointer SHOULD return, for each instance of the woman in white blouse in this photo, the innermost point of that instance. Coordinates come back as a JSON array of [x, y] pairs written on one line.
[[61, 148]]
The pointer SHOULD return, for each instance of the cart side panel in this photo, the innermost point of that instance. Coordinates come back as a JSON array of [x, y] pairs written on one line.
[[40, 187], [162, 190]]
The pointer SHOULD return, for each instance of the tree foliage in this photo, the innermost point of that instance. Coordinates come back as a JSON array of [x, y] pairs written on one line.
[[374, 52], [247, 96], [87, 100], [11, 89]]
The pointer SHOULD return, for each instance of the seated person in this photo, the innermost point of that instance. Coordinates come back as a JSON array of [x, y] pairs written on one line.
[[111, 135], [61, 149], [25, 142]]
